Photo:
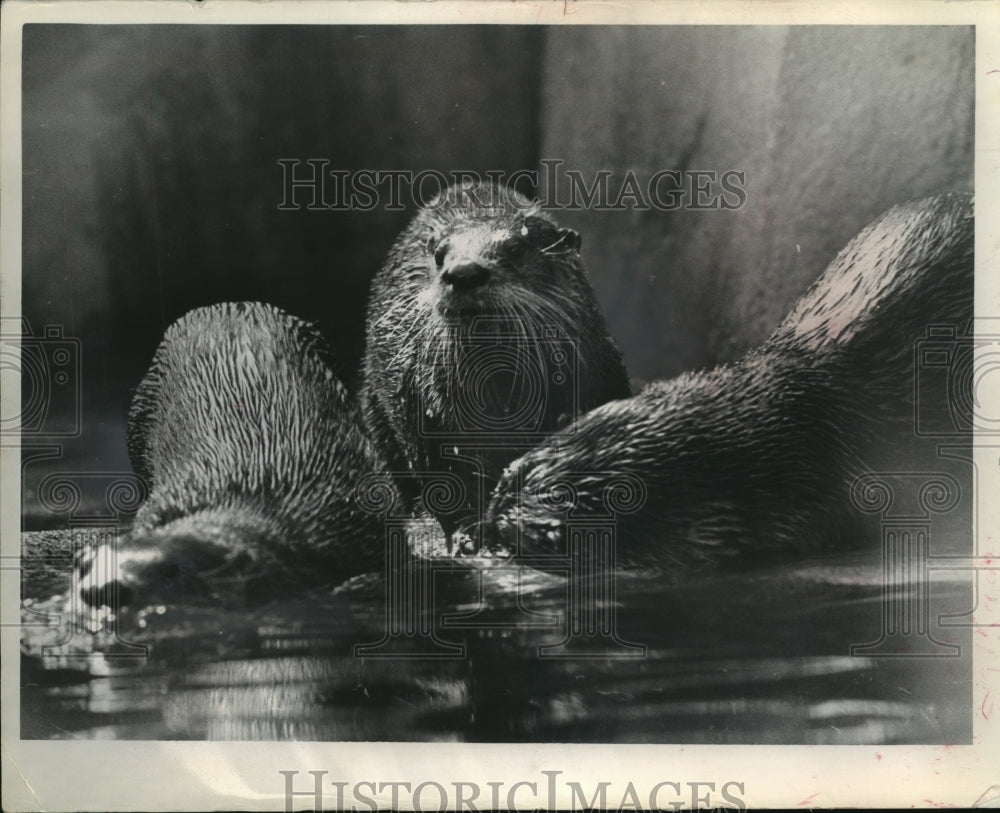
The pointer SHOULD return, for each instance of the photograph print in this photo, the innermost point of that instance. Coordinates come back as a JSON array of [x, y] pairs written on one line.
[[497, 383]]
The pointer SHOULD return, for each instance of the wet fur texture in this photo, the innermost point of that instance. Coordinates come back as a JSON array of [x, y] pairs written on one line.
[[502, 363], [252, 449], [754, 460]]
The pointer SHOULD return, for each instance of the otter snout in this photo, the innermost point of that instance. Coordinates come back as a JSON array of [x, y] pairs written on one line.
[[465, 275], [460, 260]]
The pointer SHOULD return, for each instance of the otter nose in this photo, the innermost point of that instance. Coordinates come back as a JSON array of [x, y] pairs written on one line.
[[465, 275]]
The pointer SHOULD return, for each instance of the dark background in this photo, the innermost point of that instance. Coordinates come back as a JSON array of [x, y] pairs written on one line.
[[151, 182]]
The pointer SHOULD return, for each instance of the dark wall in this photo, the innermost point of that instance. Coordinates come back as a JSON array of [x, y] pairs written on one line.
[[152, 183], [152, 158]]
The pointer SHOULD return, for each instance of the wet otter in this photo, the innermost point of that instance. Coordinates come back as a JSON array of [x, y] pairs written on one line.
[[251, 448], [483, 337], [753, 459]]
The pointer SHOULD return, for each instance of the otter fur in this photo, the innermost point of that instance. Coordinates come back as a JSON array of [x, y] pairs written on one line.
[[754, 460], [251, 448], [483, 337]]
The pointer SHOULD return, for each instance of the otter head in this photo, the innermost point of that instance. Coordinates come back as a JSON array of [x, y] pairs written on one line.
[[480, 264], [487, 249]]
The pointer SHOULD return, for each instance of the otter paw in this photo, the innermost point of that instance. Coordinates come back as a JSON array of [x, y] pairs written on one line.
[[530, 535], [97, 593], [480, 540], [157, 568]]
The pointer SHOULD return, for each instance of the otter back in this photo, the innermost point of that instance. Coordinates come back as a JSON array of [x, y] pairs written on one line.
[[754, 461], [252, 450]]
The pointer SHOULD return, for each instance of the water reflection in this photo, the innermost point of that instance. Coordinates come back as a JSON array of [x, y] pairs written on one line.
[[761, 657]]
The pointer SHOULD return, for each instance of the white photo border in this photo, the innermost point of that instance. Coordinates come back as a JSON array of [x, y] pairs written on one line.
[[77, 775]]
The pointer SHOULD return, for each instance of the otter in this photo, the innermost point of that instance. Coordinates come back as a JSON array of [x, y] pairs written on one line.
[[483, 337], [753, 460], [251, 448]]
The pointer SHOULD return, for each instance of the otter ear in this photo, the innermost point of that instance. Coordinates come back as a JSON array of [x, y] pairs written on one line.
[[571, 239]]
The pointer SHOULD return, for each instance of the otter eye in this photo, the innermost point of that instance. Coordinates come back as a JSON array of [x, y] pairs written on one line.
[[439, 254], [561, 240], [516, 250]]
